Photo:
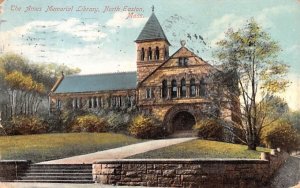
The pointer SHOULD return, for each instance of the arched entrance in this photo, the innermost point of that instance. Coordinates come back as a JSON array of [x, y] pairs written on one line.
[[180, 119], [183, 121]]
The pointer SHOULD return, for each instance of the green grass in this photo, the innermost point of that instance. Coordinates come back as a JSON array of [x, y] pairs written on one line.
[[54, 146], [203, 149]]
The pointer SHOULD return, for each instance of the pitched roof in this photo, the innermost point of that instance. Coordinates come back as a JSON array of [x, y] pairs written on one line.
[[150, 74], [152, 31], [97, 82]]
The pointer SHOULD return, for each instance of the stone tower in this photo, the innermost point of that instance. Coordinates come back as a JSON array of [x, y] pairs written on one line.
[[152, 47]]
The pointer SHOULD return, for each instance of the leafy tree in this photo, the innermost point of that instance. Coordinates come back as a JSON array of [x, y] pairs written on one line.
[[281, 134], [24, 85], [250, 72], [294, 118]]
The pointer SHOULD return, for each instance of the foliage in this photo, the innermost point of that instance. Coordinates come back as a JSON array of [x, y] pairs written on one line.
[[44, 147], [145, 127], [203, 149], [89, 123], [118, 121], [294, 118], [209, 129], [249, 65], [24, 85], [26, 125], [281, 134]]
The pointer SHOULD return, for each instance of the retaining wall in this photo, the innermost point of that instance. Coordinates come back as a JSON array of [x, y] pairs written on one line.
[[189, 172]]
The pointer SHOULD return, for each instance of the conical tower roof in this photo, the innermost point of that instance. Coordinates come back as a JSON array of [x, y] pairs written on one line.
[[152, 31]]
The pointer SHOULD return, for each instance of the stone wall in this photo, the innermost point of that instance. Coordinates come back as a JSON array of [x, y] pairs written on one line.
[[188, 172], [9, 169]]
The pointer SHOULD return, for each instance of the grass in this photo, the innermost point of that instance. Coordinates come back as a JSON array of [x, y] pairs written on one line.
[[203, 149], [45, 147]]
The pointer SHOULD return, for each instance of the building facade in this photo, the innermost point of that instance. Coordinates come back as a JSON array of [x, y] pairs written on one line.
[[173, 88]]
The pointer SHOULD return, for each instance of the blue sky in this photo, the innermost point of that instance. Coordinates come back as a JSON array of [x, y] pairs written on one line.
[[104, 41]]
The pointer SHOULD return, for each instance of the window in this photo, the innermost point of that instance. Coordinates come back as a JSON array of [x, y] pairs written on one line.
[[164, 88], [174, 89], [148, 93], [166, 53], [58, 104], [95, 103], [143, 54], [119, 101], [113, 101], [183, 88], [90, 102], [202, 88], [183, 61], [150, 54], [192, 88], [156, 53]]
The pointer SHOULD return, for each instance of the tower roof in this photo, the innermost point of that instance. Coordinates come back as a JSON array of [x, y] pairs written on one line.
[[152, 31]]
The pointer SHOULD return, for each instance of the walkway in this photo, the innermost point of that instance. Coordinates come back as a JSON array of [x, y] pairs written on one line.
[[288, 175], [120, 153]]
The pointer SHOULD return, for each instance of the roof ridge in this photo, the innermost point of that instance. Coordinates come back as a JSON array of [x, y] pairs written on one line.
[[97, 74]]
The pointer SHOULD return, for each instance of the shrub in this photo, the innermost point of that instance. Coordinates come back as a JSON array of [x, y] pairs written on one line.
[[118, 122], [89, 123], [209, 129], [145, 127], [27, 125], [282, 135]]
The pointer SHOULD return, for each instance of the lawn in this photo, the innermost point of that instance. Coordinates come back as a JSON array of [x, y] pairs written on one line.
[[45, 147], [203, 149]]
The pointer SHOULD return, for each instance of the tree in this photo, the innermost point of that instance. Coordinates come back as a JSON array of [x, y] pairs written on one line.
[[281, 134], [250, 71], [24, 85], [294, 118]]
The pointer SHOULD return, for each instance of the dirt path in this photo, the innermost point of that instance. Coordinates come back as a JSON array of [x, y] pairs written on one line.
[[288, 175], [119, 153]]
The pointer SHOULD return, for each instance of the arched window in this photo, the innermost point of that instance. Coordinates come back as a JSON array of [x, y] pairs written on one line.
[[192, 87], [174, 89], [202, 88], [149, 53], [166, 53], [156, 53], [148, 93], [143, 54], [164, 88], [183, 88]]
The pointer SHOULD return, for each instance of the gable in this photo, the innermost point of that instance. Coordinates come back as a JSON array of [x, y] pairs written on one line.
[[196, 67], [193, 59]]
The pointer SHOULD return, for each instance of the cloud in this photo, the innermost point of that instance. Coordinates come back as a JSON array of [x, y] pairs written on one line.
[[120, 19], [91, 59], [264, 17], [216, 30], [86, 31]]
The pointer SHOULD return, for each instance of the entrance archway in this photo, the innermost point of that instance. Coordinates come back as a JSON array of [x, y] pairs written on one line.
[[183, 121]]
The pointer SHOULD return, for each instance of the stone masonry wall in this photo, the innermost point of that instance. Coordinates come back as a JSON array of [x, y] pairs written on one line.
[[188, 172]]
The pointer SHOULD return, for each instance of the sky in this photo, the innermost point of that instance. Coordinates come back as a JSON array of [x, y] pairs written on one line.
[[97, 36]]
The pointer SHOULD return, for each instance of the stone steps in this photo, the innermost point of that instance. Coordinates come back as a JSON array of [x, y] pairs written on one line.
[[57, 173]]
